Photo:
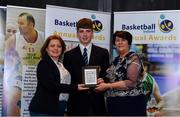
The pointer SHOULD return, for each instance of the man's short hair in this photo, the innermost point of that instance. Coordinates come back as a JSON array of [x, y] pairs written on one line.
[[29, 17], [85, 23]]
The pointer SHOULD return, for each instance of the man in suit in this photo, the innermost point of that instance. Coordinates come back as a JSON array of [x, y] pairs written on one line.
[[86, 102]]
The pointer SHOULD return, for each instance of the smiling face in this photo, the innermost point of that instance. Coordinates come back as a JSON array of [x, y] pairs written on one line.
[[54, 49], [121, 46], [85, 35]]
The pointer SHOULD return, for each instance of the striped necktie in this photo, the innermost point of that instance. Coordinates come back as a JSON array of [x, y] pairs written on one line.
[[85, 56]]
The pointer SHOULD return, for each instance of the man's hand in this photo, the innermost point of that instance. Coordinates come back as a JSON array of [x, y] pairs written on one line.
[[82, 87]]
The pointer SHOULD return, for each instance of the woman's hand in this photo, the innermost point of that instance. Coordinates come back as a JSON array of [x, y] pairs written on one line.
[[102, 87], [100, 80]]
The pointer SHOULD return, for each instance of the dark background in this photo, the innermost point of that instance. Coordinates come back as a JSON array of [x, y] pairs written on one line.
[[100, 5]]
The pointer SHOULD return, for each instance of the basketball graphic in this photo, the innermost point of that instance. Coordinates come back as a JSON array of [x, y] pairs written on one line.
[[97, 26], [166, 26]]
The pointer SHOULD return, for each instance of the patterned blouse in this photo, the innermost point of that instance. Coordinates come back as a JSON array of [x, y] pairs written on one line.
[[126, 69]]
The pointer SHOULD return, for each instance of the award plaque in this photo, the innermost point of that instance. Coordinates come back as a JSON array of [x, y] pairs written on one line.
[[90, 75]]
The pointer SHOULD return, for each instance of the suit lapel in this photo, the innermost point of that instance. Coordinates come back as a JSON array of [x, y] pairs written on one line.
[[78, 54]]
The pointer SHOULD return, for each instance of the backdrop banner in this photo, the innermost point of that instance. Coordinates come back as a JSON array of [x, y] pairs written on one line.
[[21, 59], [156, 37], [63, 20], [2, 38]]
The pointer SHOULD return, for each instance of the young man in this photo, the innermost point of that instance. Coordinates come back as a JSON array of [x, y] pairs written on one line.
[[86, 102]]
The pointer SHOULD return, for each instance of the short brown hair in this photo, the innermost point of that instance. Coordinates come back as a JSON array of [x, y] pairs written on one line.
[[85, 23], [52, 37], [29, 17], [123, 34]]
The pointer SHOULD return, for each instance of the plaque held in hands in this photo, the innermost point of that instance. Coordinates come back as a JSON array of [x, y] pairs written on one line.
[[90, 75]]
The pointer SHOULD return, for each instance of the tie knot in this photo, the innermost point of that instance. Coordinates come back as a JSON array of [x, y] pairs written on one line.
[[85, 49]]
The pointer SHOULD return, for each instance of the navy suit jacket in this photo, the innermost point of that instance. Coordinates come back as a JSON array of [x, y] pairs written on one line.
[[80, 102]]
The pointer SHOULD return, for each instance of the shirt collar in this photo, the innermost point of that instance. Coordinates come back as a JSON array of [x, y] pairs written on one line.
[[88, 47]]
